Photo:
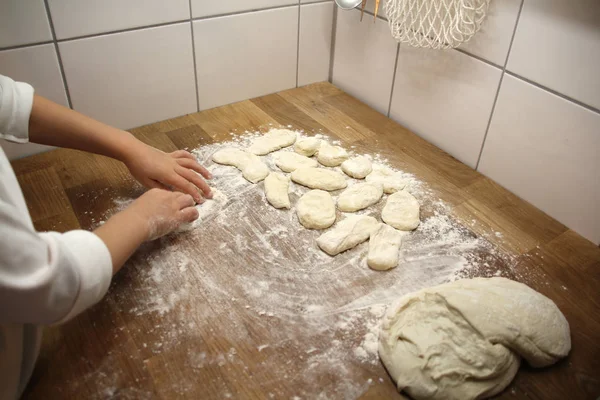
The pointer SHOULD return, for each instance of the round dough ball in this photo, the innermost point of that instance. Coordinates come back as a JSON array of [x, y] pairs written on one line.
[[360, 196], [307, 147], [357, 167], [331, 156], [319, 178], [289, 161], [402, 211], [316, 210], [464, 339]]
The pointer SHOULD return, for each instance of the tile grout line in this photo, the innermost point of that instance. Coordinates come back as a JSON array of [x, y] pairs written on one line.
[[333, 39], [58, 56], [137, 28], [393, 79], [478, 58], [21, 46], [194, 59], [487, 129], [297, 44], [247, 11]]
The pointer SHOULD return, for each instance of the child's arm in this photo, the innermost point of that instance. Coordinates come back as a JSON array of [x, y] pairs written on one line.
[[55, 125]]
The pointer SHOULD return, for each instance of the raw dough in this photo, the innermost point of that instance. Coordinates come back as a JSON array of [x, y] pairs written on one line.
[[331, 156], [319, 178], [206, 211], [307, 147], [357, 167], [359, 196], [275, 139], [289, 161], [346, 234], [393, 181], [276, 190], [384, 246], [464, 339], [401, 211], [253, 169], [316, 210]]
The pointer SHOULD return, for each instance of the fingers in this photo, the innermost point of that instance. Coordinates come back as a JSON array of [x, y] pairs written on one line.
[[152, 184], [196, 180], [184, 185], [189, 214], [193, 165], [185, 201], [182, 154]]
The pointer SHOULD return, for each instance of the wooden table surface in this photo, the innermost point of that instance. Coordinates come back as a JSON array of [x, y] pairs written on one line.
[[111, 351]]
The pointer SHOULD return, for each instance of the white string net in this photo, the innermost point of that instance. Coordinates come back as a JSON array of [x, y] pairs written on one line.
[[436, 24]]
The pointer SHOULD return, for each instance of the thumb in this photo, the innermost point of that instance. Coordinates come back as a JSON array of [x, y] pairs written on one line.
[[189, 214]]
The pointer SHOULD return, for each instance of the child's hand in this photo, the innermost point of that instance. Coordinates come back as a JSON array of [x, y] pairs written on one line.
[[156, 169], [162, 211]]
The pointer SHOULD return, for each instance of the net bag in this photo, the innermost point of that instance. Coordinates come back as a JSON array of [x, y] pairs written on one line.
[[435, 24]]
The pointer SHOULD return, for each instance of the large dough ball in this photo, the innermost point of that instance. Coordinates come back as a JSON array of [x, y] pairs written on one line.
[[464, 339]]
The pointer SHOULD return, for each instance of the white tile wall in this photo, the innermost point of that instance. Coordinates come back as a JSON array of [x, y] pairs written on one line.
[[132, 78], [233, 62], [493, 40], [445, 97], [23, 22], [38, 66], [363, 63], [314, 59], [84, 17], [557, 44], [205, 8], [545, 149]]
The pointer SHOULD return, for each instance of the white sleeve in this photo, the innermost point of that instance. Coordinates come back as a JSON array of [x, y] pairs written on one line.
[[16, 100], [48, 277]]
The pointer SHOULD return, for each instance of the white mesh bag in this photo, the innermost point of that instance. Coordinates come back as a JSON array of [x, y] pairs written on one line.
[[436, 24]]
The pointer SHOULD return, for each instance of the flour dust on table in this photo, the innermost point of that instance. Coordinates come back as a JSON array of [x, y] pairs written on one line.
[[255, 271]]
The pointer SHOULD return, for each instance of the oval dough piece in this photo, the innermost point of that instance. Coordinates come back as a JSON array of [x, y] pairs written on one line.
[[316, 210], [331, 156], [319, 178], [346, 234], [357, 167], [253, 169], [276, 190], [401, 211], [464, 339], [275, 139], [384, 246], [393, 181], [359, 196], [289, 161], [307, 147]]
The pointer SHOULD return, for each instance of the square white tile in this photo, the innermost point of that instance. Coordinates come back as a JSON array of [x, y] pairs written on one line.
[[246, 55], [73, 18], [446, 97], [38, 66], [132, 78], [557, 44], [316, 23], [545, 149], [363, 63], [23, 22], [492, 42], [204, 8]]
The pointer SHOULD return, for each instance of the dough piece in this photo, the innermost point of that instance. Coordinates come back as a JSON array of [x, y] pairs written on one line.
[[319, 178], [393, 181], [275, 139], [253, 169], [347, 234], [331, 156], [384, 245], [464, 339], [316, 210], [289, 161], [401, 211], [276, 190], [357, 167], [308, 147], [359, 196], [206, 211]]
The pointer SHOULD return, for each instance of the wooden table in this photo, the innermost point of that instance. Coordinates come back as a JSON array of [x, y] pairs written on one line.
[[188, 349]]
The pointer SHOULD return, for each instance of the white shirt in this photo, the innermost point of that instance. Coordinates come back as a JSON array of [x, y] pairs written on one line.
[[45, 278]]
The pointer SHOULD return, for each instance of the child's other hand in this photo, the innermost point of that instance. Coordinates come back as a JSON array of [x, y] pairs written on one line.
[[156, 169], [162, 211]]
